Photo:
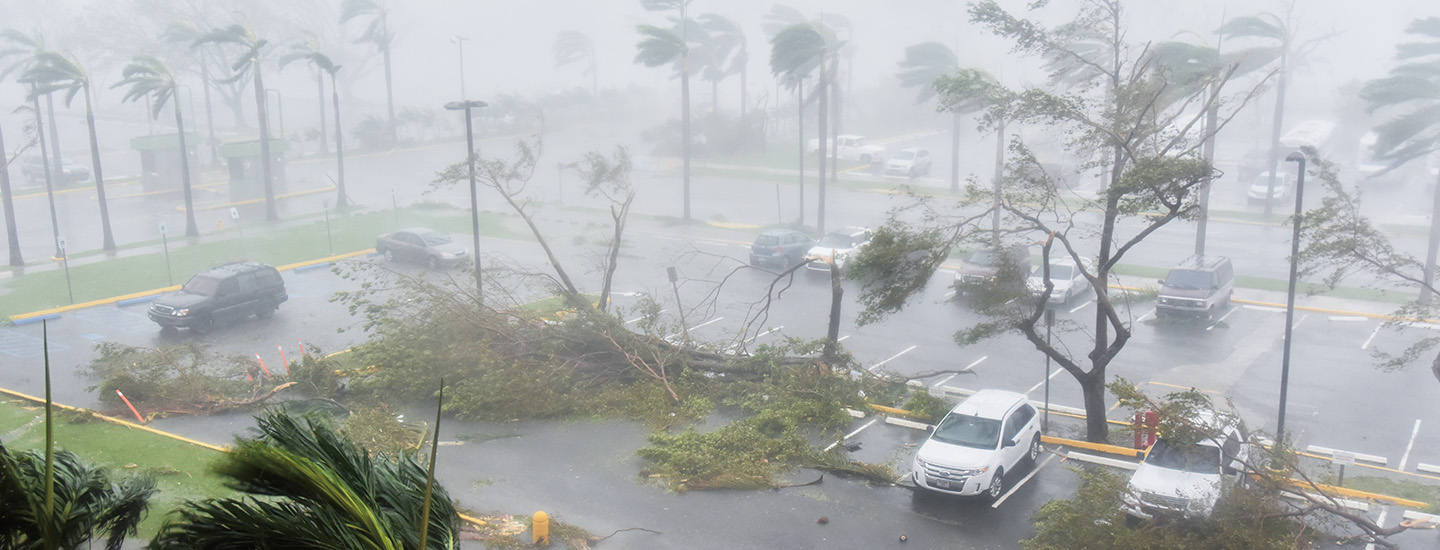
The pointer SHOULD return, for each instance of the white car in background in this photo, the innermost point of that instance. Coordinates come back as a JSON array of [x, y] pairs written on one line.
[[912, 163], [968, 453], [1068, 278], [841, 244], [851, 147]]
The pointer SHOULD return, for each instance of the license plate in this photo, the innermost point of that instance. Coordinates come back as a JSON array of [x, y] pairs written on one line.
[[940, 483]]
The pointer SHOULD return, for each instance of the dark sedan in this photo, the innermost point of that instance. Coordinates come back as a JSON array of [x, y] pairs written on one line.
[[423, 246]]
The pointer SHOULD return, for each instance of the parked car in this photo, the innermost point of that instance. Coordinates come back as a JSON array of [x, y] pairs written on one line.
[[841, 244], [423, 246], [221, 294], [1252, 164], [33, 168], [851, 147], [1284, 190], [1199, 285], [985, 264], [1185, 481], [969, 451], [1069, 279], [913, 163], [780, 247]]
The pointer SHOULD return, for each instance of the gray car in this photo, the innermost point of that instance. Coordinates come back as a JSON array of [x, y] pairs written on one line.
[[780, 247], [423, 246]]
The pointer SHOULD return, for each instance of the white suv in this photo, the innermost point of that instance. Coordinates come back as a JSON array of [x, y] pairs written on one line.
[[969, 451], [840, 244], [1186, 482]]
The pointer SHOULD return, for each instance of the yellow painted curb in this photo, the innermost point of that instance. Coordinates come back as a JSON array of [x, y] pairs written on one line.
[[1354, 493], [731, 225], [114, 420], [260, 200], [890, 410], [1102, 447]]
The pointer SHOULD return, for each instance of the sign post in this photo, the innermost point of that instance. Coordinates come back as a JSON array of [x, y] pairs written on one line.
[[65, 261], [1342, 458], [165, 241], [235, 215]]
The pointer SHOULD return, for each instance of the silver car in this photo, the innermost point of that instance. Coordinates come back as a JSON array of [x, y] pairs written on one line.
[[423, 246]]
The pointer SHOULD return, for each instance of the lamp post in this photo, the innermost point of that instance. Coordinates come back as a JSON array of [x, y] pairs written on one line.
[[466, 106], [1296, 157], [800, 129], [460, 45]]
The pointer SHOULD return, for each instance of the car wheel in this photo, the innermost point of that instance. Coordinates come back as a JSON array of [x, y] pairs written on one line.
[[389, 255], [265, 310], [203, 325], [168, 330], [997, 485], [434, 263], [1034, 453], [912, 173], [864, 159]]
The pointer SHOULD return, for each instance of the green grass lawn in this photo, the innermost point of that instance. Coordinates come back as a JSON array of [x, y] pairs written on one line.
[[45, 288], [181, 470]]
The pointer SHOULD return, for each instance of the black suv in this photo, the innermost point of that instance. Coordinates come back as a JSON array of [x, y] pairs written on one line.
[[225, 293], [1199, 285]]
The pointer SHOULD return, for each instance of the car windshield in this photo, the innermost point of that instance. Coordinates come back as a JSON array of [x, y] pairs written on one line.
[[905, 155], [968, 431], [837, 240], [1204, 459], [433, 238], [1193, 279], [1057, 272], [201, 285]]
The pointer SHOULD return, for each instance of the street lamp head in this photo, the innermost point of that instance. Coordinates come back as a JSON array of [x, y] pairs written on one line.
[[462, 105], [1295, 156], [457, 39]]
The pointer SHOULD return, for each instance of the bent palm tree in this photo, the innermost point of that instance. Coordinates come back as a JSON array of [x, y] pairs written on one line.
[[310, 488], [659, 46], [324, 65], [54, 72], [970, 90], [576, 47], [247, 62], [184, 33], [24, 49], [727, 35], [796, 51], [12, 235], [1413, 132], [923, 65], [146, 75], [377, 33]]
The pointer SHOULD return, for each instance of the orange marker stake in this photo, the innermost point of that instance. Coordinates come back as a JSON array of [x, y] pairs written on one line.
[[302, 347], [247, 375], [138, 418], [262, 365], [282, 358]]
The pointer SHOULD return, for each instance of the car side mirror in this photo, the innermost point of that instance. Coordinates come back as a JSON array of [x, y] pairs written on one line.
[[1011, 443], [930, 428], [1161, 282]]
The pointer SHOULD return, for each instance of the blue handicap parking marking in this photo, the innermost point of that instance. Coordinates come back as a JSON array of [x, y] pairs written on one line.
[[115, 318], [24, 346]]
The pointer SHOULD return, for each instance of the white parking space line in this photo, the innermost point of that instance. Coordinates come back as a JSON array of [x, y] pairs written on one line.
[[943, 380], [1430, 326], [1081, 306], [852, 434], [891, 358], [842, 338], [1298, 322], [1366, 345], [1221, 319], [1142, 318], [642, 317], [1022, 481], [1405, 458], [672, 336], [949, 295], [1042, 382]]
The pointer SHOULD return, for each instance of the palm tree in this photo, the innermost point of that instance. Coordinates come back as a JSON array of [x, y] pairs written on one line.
[[311, 488], [1413, 131], [796, 51], [55, 501], [24, 49], [925, 63], [1279, 35], [146, 75], [726, 52], [185, 33], [971, 90], [11, 232], [54, 72], [660, 46], [324, 65], [310, 45], [576, 47], [247, 62], [377, 33]]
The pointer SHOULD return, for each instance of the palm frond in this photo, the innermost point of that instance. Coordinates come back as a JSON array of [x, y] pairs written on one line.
[[572, 47], [781, 16], [922, 65], [658, 46], [1264, 25], [797, 50]]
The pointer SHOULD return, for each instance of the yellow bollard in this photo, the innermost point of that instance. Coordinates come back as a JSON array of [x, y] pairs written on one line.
[[540, 528]]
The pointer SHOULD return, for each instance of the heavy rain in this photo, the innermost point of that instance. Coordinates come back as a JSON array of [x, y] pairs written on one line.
[[1036, 274]]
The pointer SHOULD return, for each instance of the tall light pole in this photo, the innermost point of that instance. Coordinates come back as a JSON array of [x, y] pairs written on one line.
[[800, 125], [1296, 157], [460, 45], [466, 106]]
